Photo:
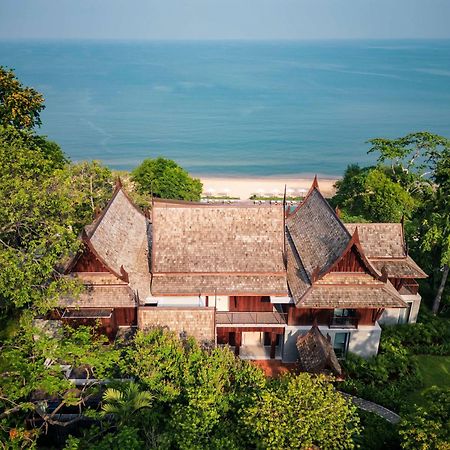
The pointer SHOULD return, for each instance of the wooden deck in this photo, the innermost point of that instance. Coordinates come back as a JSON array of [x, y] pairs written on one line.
[[274, 368]]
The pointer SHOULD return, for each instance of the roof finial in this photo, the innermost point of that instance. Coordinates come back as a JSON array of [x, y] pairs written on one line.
[[315, 183], [118, 183]]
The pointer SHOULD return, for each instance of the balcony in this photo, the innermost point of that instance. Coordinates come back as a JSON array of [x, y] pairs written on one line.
[[250, 318], [343, 322]]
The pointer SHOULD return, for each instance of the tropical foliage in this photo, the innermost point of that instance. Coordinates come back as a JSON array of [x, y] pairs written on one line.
[[164, 178], [20, 106]]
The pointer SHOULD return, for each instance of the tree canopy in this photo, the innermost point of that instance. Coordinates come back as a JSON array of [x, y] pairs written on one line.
[[20, 106], [164, 178], [415, 184]]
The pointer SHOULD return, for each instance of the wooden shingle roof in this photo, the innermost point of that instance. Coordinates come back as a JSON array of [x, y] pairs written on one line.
[[119, 238], [317, 242], [316, 354], [380, 240], [384, 245], [200, 248], [317, 233]]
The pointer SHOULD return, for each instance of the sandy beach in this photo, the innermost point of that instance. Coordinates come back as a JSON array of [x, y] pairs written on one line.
[[245, 187]]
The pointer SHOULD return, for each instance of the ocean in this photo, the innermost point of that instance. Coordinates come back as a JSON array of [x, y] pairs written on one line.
[[235, 108]]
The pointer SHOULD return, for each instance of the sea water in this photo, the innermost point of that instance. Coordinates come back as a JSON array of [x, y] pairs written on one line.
[[236, 108]]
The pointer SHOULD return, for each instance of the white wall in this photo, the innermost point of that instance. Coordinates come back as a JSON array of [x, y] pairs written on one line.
[[364, 340], [194, 301], [392, 316], [221, 302]]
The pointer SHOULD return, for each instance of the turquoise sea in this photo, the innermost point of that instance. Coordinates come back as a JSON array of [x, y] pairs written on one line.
[[237, 108]]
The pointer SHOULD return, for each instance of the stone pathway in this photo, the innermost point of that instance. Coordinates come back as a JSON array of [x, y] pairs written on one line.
[[368, 406]]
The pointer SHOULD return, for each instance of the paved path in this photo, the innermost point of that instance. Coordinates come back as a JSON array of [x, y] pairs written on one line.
[[379, 410]]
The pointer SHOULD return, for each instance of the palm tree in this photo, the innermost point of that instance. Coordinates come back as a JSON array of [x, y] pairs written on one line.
[[123, 403]]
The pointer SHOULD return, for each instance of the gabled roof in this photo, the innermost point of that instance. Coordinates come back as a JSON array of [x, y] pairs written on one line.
[[202, 248], [385, 246], [119, 238], [317, 233], [316, 354], [380, 240], [320, 250]]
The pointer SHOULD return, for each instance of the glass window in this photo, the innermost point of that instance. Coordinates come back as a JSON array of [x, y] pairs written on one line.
[[340, 344], [344, 312]]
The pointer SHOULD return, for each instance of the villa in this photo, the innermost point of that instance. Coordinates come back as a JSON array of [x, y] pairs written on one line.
[[255, 277]]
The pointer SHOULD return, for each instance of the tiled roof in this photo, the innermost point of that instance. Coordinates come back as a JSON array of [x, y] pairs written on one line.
[[297, 277], [219, 284], [120, 236], [210, 238], [380, 240], [377, 295], [399, 268], [101, 296], [229, 249], [317, 233], [384, 245], [316, 354]]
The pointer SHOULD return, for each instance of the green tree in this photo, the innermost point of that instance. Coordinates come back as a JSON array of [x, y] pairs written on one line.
[[123, 403], [436, 220], [428, 428], [36, 224], [92, 185], [20, 106], [163, 178], [300, 412], [408, 153], [368, 194], [31, 374]]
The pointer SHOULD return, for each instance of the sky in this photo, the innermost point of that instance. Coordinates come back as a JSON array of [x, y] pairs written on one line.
[[224, 19]]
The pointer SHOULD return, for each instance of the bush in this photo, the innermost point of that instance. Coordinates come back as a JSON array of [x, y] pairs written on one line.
[[431, 336], [383, 379], [377, 434], [428, 428]]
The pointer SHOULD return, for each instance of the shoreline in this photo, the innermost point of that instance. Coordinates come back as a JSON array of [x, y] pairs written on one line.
[[244, 187]]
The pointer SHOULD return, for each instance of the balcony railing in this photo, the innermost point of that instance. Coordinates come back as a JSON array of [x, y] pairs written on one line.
[[260, 318], [344, 322]]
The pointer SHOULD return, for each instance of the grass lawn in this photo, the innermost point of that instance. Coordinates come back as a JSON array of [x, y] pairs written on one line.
[[435, 371]]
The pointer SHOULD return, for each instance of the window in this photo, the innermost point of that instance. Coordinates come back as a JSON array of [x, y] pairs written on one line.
[[344, 318], [344, 312], [340, 344]]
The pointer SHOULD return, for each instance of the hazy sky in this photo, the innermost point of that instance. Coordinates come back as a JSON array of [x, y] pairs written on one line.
[[224, 19]]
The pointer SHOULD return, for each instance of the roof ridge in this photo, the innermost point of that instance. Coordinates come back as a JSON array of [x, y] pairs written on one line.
[[296, 255], [92, 227]]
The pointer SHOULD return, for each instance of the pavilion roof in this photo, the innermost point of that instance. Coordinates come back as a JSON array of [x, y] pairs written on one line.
[[223, 249], [316, 241], [316, 354], [318, 235], [384, 244], [120, 238]]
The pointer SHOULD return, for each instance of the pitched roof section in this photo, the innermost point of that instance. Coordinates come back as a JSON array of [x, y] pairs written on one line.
[[399, 268], [317, 233], [380, 240], [209, 249], [209, 239], [316, 354], [120, 238], [219, 284], [381, 295], [384, 245]]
